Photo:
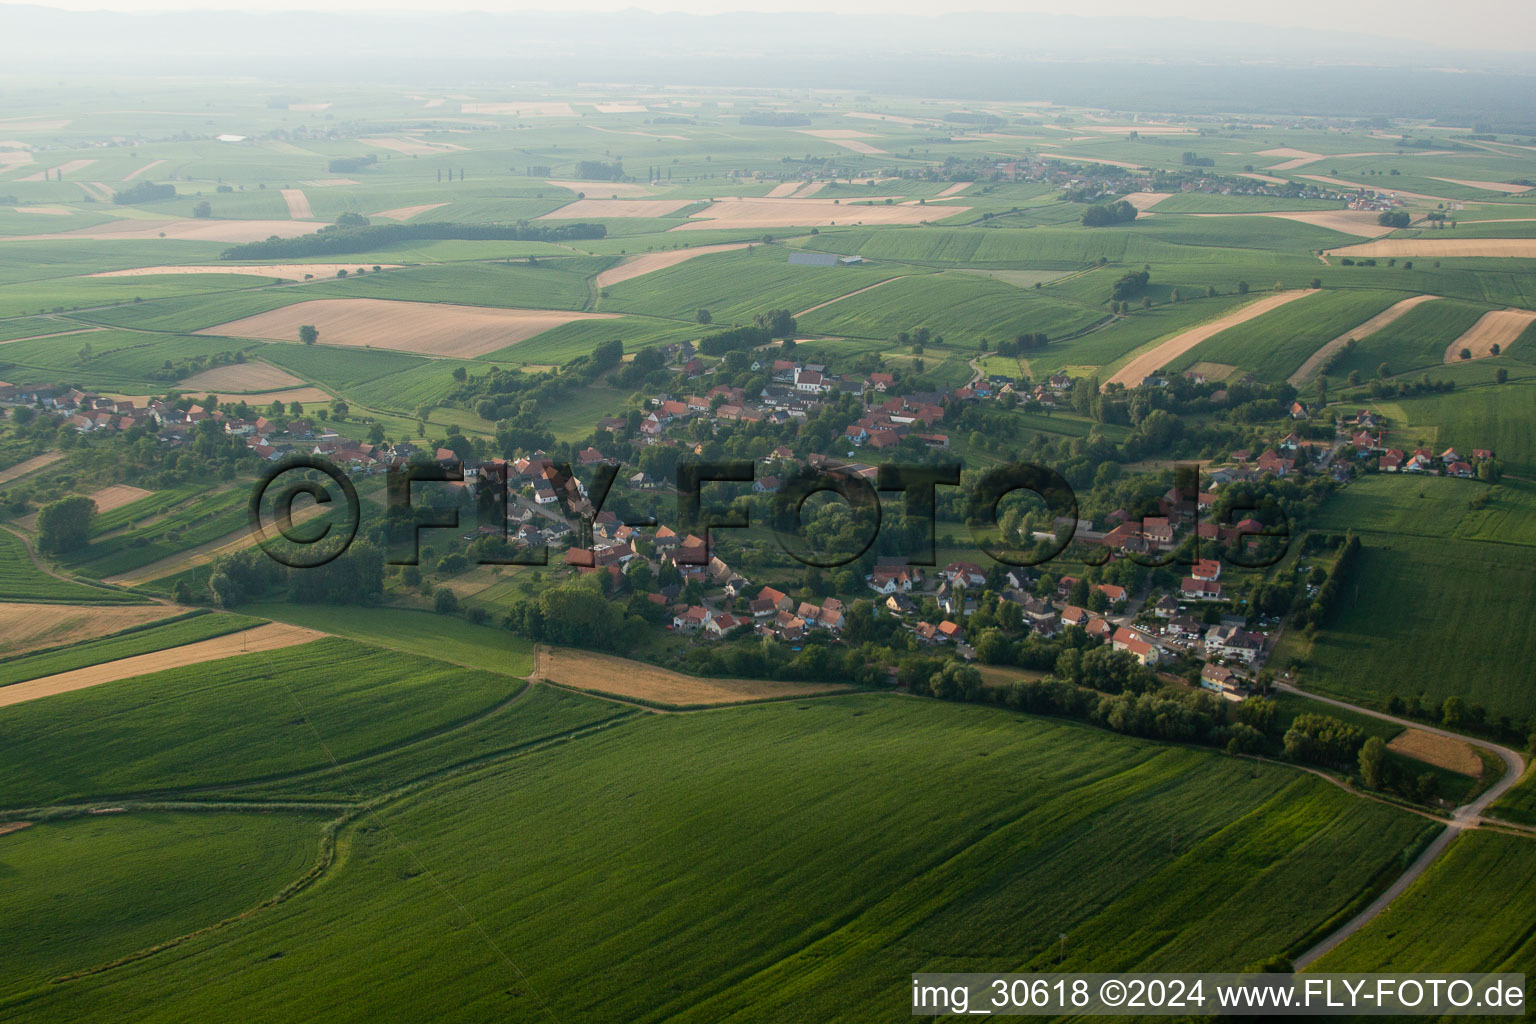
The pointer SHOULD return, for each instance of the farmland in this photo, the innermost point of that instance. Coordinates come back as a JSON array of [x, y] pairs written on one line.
[[769, 772], [624, 786]]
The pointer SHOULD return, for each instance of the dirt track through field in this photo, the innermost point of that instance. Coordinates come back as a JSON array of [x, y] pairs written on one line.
[[1441, 751], [647, 263], [1441, 248], [1148, 363], [635, 680], [1500, 327], [298, 204], [31, 627], [856, 291], [1315, 361], [26, 466], [143, 170], [421, 328], [270, 637]]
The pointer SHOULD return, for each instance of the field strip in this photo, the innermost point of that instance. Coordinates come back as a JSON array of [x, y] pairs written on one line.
[[202, 554], [1487, 186], [8, 827], [810, 188], [106, 499], [1148, 363], [249, 376], [305, 395], [635, 680], [190, 230], [632, 189], [31, 627], [856, 291], [1268, 179], [585, 209], [1143, 201], [56, 334], [1381, 320], [1069, 157], [66, 168], [761, 212], [1466, 816], [269, 637], [783, 190], [632, 267], [48, 211], [298, 204], [143, 170], [407, 212], [420, 328], [1348, 222], [1372, 188], [289, 271], [1441, 751], [1442, 248], [1499, 327], [26, 466], [102, 192]]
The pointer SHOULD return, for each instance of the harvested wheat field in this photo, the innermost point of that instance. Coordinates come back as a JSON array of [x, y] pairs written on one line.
[[298, 204], [12, 158], [1442, 248], [634, 680], [622, 189], [26, 466], [6, 828], [269, 637], [1441, 751], [961, 186], [1148, 363], [422, 328], [106, 499], [1500, 327], [252, 376], [847, 138], [276, 271], [620, 108], [1315, 361], [182, 230], [31, 627], [632, 267], [528, 108], [810, 188], [52, 211], [1143, 201], [65, 168], [591, 209], [407, 212], [327, 182], [1487, 186], [143, 170], [412, 147], [780, 213], [1074, 158], [1268, 179], [1348, 222], [784, 189], [96, 190], [306, 396]]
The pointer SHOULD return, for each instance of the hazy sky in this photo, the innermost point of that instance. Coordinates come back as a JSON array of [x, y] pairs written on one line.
[[1470, 24]]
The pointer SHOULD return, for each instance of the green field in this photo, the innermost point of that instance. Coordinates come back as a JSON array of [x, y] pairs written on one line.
[[202, 518], [722, 807], [155, 636], [410, 632], [1471, 911], [1274, 345], [1432, 566], [1501, 418], [22, 580], [1415, 341]]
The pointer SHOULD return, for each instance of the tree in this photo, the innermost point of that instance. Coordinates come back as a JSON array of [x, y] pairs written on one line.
[[1373, 762], [65, 525], [445, 601], [1453, 712], [202, 210], [339, 409], [376, 433], [1383, 371], [1501, 376], [1317, 282], [309, 334], [1465, 353], [1242, 287], [704, 316]]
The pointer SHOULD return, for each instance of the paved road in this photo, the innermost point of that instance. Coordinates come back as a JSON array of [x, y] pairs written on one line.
[[1467, 816]]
